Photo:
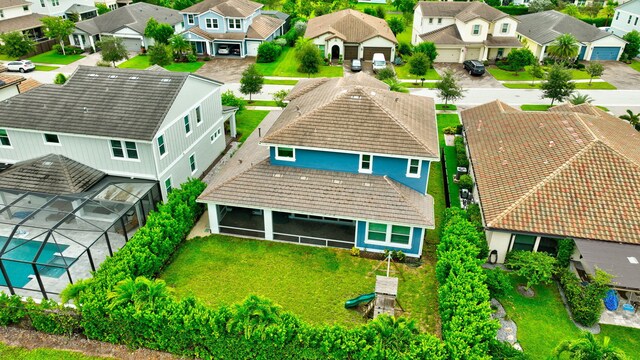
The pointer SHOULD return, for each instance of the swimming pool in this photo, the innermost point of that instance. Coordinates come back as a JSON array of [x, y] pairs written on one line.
[[26, 250]]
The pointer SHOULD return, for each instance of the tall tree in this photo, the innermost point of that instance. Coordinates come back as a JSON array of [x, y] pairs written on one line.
[[519, 58], [57, 28], [419, 65], [309, 57], [540, 5], [632, 49], [565, 48], [251, 82], [594, 69], [448, 87], [588, 348], [428, 48], [160, 54], [396, 25], [535, 71], [159, 32], [15, 45], [102, 8], [557, 85], [181, 47], [113, 49]]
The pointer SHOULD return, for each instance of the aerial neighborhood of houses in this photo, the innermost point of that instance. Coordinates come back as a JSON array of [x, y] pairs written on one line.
[[243, 179]]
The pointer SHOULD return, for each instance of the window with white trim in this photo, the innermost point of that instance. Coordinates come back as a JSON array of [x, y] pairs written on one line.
[[413, 168], [439, 21], [617, 15], [393, 235], [192, 163], [25, 8], [198, 115], [285, 153], [215, 135], [235, 24], [366, 163], [211, 23], [124, 149], [167, 186], [476, 29], [190, 19], [51, 139], [505, 28], [1, 14], [187, 125], [430, 20], [162, 148], [4, 138], [42, 3], [55, 2]]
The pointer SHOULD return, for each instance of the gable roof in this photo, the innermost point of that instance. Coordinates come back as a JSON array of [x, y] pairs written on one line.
[[50, 174], [134, 16], [545, 26], [448, 35], [4, 4], [96, 101], [263, 26], [463, 11], [21, 23], [357, 113], [229, 8], [570, 171], [350, 25]]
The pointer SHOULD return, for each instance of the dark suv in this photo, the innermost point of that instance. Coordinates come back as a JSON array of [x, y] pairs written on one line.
[[474, 67]]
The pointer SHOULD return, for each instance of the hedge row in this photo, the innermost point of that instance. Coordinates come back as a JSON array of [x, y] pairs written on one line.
[[461, 152], [585, 301], [465, 310], [513, 10], [48, 316]]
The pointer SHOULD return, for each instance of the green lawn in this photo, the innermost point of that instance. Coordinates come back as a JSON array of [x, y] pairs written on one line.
[[4, 57], [447, 120], [403, 73], [446, 107], [309, 281], [10, 352], [543, 322], [411, 85], [404, 36], [46, 68], [137, 62], [262, 103], [52, 57], [185, 67], [247, 121], [534, 107], [287, 66], [279, 82], [503, 75], [600, 85], [635, 65]]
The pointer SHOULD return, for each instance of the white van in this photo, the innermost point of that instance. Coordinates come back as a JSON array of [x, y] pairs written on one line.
[[379, 62]]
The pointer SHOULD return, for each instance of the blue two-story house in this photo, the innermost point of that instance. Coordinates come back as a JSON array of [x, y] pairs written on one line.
[[230, 27], [345, 164]]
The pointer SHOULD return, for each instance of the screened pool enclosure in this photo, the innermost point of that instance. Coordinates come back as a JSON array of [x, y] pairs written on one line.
[[48, 241]]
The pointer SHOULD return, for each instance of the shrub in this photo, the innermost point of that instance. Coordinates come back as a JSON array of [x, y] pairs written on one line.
[[503, 350], [192, 58], [404, 48], [473, 210], [461, 152], [69, 50], [536, 267], [450, 130], [291, 37], [282, 42], [49, 317], [355, 251], [206, 58], [60, 79], [12, 309], [498, 282], [565, 250], [386, 74], [103, 63], [513, 9], [585, 301], [268, 52], [466, 182], [230, 99], [279, 97]]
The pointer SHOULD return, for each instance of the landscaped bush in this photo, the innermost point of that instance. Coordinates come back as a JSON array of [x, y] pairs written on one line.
[[449, 130], [69, 50], [585, 301], [386, 74], [466, 182], [513, 9], [565, 250], [498, 282], [405, 49], [192, 58], [230, 99], [598, 22], [536, 267], [52, 318], [473, 210], [268, 52], [461, 152], [280, 42], [502, 350], [12, 309]]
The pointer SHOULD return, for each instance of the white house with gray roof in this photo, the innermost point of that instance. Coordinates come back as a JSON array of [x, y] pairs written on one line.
[[85, 9], [161, 126], [626, 18], [539, 30]]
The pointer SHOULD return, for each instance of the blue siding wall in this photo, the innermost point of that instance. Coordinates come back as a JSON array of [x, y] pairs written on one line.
[[203, 23], [395, 168], [186, 21], [415, 242]]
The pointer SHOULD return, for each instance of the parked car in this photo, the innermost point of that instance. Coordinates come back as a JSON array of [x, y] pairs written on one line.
[[21, 65], [379, 62], [223, 49], [474, 67], [356, 65]]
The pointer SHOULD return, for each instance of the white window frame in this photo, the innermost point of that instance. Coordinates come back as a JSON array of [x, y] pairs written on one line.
[[125, 153], [210, 23], [1, 14], [387, 241], [193, 165], [363, 170], [10, 146], [191, 19], [237, 24], [198, 115], [505, 28], [186, 122], [430, 20], [44, 137], [42, 3], [409, 174], [473, 29], [439, 21], [284, 158], [164, 146]]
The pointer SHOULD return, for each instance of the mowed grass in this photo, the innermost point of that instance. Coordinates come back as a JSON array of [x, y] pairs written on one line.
[[4, 57], [52, 57], [543, 322], [10, 352], [635, 65], [311, 282], [140, 62], [402, 72], [446, 107], [447, 120], [46, 68], [247, 121], [504, 75], [185, 67], [534, 107], [600, 85], [262, 103], [287, 66], [280, 82], [419, 85]]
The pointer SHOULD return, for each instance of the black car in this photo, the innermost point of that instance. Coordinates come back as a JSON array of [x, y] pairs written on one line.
[[474, 67]]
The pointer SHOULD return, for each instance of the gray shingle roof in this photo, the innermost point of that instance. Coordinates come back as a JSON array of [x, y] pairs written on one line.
[[134, 16], [21, 23], [4, 4], [80, 9], [50, 174], [230, 8], [107, 102], [544, 27], [612, 258]]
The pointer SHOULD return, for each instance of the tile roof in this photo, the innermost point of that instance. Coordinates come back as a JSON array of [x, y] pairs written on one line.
[[357, 113], [263, 26], [545, 26], [28, 84], [229, 8], [448, 35], [464, 11], [350, 25], [50, 174], [4, 4], [108, 102], [21, 23], [7, 80], [570, 171], [502, 41], [134, 16], [215, 36]]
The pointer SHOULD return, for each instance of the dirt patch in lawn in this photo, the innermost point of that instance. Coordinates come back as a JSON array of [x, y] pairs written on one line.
[[31, 339]]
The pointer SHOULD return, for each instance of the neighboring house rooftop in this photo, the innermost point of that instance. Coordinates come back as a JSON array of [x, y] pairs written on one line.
[[134, 16], [7, 80], [21, 23], [28, 84], [544, 27], [572, 171], [95, 101], [5, 4], [357, 113], [50, 174], [263, 26], [620, 260], [228, 8], [351, 26], [80, 9], [277, 14], [463, 11]]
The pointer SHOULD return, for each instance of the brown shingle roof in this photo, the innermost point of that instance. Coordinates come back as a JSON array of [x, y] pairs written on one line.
[[7, 80], [448, 35], [572, 171], [464, 11], [213, 36], [28, 84], [231, 8], [358, 113], [351, 26], [4, 4], [21, 23], [263, 26]]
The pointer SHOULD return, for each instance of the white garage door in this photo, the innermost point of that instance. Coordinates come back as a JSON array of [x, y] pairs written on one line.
[[132, 44], [252, 48], [448, 55], [473, 54]]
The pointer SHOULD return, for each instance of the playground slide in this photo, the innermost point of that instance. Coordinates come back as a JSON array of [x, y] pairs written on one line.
[[364, 298]]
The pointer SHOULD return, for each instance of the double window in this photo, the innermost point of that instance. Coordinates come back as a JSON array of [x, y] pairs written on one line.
[[413, 168], [505, 28], [187, 125], [393, 235], [124, 149], [162, 148], [190, 19], [285, 153], [366, 163], [4, 138], [476, 29], [51, 139], [192, 163], [235, 24], [211, 23]]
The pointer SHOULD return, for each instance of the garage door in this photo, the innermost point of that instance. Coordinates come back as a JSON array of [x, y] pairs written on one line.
[[351, 52], [473, 54], [132, 44], [448, 55], [369, 51], [605, 53], [252, 48]]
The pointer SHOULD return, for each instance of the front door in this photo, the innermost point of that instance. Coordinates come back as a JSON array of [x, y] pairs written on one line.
[[335, 51]]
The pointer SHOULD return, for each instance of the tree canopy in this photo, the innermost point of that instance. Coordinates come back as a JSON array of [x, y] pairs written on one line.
[[309, 57], [448, 87], [58, 28], [557, 85], [113, 49], [15, 45], [159, 32], [251, 82]]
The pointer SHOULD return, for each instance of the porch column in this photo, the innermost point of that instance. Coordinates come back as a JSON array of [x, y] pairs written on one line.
[[214, 225], [232, 125], [208, 46], [268, 224], [544, 48], [93, 45], [485, 53], [536, 244], [81, 42], [462, 54]]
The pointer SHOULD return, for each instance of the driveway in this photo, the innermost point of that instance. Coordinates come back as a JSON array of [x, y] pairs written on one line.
[[466, 80], [367, 68], [227, 70], [621, 75]]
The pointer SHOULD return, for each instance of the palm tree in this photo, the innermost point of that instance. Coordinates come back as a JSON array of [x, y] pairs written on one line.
[[394, 333], [180, 46], [565, 48], [588, 348], [395, 85], [255, 314], [577, 99], [633, 119], [139, 292]]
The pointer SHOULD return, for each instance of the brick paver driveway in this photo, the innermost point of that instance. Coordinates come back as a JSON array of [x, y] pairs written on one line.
[[227, 70], [467, 81], [621, 75]]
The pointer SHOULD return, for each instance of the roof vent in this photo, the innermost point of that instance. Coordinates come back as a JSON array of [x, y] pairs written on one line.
[[501, 149], [303, 178], [47, 163], [277, 175], [335, 181], [551, 143], [356, 97], [397, 99], [632, 260], [373, 93], [93, 75], [541, 125], [505, 162], [85, 109], [113, 76], [367, 184], [106, 89], [297, 108], [165, 80]]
